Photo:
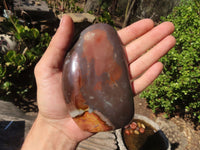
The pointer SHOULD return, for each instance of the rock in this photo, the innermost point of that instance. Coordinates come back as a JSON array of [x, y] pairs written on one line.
[[36, 13], [99, 141], [7, 43], [30, 5], [9, 112], [33, 9], [120, 140], [186, 128], [81, 21], [153, 9], [80, 17], [96, 81], [172, 132]]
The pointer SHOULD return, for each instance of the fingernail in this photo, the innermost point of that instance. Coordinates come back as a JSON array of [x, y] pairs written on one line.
[[61, 21]]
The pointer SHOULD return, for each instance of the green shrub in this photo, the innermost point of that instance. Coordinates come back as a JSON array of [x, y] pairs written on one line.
[[177, 89], [16, 66], [106, 18]]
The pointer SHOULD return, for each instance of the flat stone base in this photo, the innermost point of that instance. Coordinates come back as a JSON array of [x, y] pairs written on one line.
[[36, 10]]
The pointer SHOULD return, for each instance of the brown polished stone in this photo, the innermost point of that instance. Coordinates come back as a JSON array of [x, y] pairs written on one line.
[[96, 81]]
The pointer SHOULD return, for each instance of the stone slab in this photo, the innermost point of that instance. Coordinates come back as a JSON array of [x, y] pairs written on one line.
[[30, 5], [32, 9], [80, 17]]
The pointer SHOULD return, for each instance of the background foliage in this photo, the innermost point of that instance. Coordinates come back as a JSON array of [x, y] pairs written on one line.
[[17, 82], [16, 66], [177, 90]]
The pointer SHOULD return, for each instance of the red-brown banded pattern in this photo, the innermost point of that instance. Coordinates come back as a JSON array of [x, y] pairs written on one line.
[[96, 81]]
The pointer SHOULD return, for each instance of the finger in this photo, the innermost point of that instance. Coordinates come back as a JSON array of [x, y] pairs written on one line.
[[136, 48], [152, 56], [147, 78], [135, 30], [54, 55]]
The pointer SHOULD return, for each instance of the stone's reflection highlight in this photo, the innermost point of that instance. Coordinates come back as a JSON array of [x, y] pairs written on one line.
[[96, 82]]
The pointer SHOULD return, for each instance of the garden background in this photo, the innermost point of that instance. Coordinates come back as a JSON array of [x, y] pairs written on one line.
[[175, 93]]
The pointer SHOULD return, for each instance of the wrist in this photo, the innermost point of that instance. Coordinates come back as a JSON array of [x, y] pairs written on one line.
[[44, 136]]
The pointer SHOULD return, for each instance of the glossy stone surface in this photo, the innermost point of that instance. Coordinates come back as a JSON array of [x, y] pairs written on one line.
[[96, 81]]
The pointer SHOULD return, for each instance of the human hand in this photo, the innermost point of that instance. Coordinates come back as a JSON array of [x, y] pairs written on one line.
[[144, 45]]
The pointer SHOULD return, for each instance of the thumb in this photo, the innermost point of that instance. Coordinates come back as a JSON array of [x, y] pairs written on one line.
[[53, 57]]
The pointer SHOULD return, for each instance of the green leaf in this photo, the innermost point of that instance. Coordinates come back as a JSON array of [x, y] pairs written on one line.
[[9, 57], [6, 85], [2, 71], [177, 89], [35, 32]]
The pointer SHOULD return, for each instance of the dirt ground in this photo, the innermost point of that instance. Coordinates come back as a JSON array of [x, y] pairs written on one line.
[[180, 132], [141, 107]]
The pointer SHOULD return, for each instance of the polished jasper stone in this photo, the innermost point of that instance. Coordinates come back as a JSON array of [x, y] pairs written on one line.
[[96, 81]]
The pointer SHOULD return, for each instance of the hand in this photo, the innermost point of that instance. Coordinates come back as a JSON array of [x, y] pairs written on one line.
[[144, 45]]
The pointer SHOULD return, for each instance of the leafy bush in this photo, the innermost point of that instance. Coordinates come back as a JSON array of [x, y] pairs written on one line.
[[16, 66], [106, 18], [177, 89]]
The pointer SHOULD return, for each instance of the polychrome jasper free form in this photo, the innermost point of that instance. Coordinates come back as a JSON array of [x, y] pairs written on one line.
[[96, 82]]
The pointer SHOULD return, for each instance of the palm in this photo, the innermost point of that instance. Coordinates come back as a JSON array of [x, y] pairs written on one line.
[[48, 72]]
